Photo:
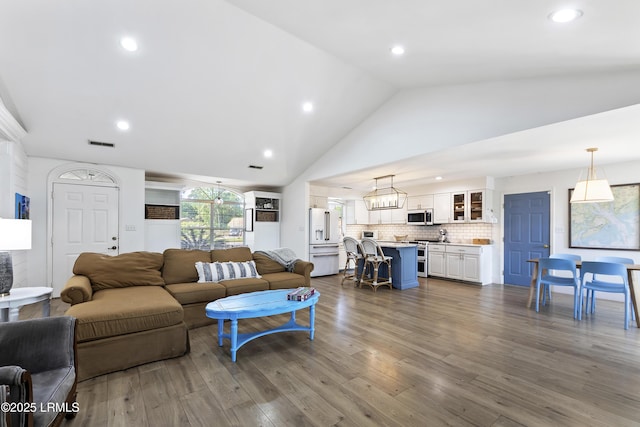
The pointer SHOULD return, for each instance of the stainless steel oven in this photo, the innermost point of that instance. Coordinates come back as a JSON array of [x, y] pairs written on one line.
[[422, 258]]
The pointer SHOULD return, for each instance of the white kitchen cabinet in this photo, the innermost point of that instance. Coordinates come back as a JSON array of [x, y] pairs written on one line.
[[468, 206], [357, 212], [442, 208], [388, 216], [399, 216], [436, 260], [420, 202], [461, 262], [319, 202]]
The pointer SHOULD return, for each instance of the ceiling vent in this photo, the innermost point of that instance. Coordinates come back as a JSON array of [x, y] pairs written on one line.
[[255, 167], [102, 144]]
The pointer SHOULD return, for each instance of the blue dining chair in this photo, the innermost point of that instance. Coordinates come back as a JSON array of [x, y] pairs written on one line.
[[572, 257], [548, 269], [610, 269], [591, 294]]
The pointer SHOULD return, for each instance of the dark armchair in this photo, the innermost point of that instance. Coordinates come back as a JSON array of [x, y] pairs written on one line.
[[38, 371]]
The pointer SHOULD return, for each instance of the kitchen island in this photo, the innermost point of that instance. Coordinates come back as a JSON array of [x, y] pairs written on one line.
[[404, 266]]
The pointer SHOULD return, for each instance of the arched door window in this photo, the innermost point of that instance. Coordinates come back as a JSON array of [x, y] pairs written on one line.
[[87, 175], [208, 224]]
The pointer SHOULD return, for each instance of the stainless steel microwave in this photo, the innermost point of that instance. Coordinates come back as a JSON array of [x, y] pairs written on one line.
[[420, 217]]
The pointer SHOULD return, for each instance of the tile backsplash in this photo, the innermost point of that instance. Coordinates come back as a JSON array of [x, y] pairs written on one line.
[[457, 233]]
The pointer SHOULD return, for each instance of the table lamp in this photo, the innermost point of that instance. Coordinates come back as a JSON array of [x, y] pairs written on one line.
[[15, 235]]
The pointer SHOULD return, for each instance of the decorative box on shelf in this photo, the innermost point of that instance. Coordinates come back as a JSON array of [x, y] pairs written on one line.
[[161, 211]]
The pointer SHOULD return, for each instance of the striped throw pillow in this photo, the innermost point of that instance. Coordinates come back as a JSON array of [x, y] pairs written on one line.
[[217, 271]]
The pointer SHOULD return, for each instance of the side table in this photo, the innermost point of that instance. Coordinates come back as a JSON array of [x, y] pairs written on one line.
[[10, 304]]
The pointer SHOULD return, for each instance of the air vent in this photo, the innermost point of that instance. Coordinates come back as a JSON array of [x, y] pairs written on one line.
[[255, 167], [102, 144]]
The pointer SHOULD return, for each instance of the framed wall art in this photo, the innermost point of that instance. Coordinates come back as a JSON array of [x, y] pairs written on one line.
[[22, 206], [611, 225]]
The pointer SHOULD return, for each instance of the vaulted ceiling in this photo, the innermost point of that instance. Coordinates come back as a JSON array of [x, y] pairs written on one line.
[[215, 83]]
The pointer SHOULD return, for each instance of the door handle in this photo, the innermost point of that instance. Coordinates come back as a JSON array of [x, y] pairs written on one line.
[[545, 246], [113, 247]]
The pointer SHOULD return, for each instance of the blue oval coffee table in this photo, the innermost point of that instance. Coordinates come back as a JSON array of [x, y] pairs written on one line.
[[258, 304]]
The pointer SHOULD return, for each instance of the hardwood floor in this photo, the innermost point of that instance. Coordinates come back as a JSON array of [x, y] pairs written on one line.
[[442, 354]]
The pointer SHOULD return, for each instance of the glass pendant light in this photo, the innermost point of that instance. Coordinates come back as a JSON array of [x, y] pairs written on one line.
[[218, 200]]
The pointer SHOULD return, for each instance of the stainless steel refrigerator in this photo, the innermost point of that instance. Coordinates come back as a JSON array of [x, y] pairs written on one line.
[[323, 241]]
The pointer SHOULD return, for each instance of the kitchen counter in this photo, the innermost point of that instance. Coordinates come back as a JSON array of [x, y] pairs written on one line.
[[457, 244], [390, 244]]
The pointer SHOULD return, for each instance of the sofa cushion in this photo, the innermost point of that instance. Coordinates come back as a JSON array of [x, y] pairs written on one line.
[[179, 265], [114, 312], [266, 265], [239, 254], [191, 293], [240, 286], [284, 280], [120, 271], [217, 271]]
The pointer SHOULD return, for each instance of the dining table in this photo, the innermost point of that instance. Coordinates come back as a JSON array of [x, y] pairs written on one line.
[[634, 288]]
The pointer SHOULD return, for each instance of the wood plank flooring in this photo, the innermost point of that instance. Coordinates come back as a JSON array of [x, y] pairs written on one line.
[[445, 353]]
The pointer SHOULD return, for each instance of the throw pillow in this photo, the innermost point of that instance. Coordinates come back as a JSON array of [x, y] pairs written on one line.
[[217, 271]]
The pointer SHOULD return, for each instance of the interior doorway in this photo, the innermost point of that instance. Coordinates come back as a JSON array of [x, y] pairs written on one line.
[[526, 234]]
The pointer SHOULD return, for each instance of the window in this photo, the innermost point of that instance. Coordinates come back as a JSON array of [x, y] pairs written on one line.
[[87, 175], [207, 225]]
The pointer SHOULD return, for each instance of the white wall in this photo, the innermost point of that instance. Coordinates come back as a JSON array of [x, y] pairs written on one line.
[[425, 120], [131, 225], [558, 185], [13, 179], [294, 223]]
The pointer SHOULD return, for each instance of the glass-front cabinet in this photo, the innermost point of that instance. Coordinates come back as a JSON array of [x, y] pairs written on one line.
[[468, 206]]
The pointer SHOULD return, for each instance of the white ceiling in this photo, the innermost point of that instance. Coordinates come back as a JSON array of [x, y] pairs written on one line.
[[215, 82]]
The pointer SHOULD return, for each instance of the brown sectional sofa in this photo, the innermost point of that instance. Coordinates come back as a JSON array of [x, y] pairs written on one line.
[[137, 307]]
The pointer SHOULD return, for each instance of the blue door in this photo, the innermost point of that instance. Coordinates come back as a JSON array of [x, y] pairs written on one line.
[[526, 234]]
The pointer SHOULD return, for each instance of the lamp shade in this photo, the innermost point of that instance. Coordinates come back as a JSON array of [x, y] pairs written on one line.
[[15, 234], [592, 191]]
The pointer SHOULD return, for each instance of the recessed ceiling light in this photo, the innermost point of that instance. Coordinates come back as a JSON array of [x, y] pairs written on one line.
[[565, 15], [129, 44], [397, 50], [307, 107], [123, 125], [438, 178], [268, 153]]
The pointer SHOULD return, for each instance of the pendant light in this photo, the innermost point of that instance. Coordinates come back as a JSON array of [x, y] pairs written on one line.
[[386, 197], [218, 200], [592, 190]]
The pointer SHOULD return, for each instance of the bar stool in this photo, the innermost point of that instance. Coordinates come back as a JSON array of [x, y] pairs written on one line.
[[374, 257], [354, 251]]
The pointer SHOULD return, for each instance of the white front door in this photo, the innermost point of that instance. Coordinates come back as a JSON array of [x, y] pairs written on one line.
[[85, 219]]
